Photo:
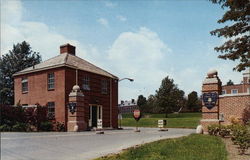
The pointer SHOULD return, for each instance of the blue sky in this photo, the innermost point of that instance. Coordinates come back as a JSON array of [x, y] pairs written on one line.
[[145, 40]]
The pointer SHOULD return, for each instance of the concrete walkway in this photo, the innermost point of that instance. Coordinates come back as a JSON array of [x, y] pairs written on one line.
[[77, 146]]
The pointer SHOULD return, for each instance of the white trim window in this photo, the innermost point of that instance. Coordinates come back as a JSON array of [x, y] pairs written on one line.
[[51, 110], [85, 83], [224, 92], [104, 85], [25, 85], [51, 81], [234, 91]]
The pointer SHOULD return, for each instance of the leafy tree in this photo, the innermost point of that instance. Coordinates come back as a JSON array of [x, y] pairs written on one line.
[[230, 82], [193, 103], [152, 104], [237, 46], [19, 58], [141, 102], [169, 97]]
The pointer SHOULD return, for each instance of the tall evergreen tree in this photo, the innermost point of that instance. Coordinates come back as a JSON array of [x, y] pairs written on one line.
[[19, 58], [141, 102], [193, 103], [169, 96], [237, 45]]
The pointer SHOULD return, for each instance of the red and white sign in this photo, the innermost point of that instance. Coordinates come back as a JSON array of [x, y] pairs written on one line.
[[137, 113]]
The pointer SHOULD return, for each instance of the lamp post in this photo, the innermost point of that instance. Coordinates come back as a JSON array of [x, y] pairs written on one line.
[[130, 79], [120, 115]]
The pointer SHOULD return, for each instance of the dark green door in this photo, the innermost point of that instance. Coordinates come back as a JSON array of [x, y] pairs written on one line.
[[94, 116]]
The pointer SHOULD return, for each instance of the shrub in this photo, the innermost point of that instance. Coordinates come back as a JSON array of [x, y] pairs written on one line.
[[213, 129], [235, 120], [20, 127], [224, 130], [246, 115], [60, 127], [241, 137], [5, 128], [46, 126], [10, 115]]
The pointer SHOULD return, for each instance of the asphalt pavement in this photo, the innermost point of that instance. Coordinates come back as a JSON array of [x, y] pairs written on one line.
[[78, 146]]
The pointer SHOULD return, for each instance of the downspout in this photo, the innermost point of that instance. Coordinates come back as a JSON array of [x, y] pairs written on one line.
[[110, 95]]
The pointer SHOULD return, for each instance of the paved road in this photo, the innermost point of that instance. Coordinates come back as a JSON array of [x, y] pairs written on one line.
[[77, 146]]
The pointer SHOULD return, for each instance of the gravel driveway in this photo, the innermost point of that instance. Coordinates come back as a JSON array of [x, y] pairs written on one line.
[[77, 146]]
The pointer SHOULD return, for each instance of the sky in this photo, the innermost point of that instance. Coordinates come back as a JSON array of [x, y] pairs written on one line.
[[140, 39]]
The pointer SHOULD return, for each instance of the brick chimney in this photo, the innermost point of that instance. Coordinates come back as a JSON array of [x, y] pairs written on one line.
[[67, 48]]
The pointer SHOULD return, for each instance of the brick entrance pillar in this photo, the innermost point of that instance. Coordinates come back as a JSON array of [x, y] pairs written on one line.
[[211, 89], [76, 111]]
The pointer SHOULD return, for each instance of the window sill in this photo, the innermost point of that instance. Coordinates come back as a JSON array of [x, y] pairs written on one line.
[[51, 89], [25, 92]]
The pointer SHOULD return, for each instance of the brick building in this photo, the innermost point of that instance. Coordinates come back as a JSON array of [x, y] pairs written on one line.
[[50, 83], [127, 106], [222, 103]]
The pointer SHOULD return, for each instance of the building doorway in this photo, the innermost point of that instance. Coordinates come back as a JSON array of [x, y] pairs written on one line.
[[95, 113]]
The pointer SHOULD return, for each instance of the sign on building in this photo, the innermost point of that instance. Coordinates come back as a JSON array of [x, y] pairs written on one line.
[[99, 124]]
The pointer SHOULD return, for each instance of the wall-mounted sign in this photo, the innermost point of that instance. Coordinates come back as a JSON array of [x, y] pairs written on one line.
[[137, 114], [72, 107], [210, 99], [99, 123]]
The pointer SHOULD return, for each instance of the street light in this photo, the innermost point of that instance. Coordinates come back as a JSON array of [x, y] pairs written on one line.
[[120, 116], [130, 79]]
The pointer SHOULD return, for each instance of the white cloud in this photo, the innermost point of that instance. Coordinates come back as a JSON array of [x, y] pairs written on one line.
[[139, 55], [110, 4], [103, 22], [121, 18]]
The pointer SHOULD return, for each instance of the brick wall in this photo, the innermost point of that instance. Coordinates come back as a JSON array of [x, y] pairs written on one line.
[[233, 105], [38, 91]]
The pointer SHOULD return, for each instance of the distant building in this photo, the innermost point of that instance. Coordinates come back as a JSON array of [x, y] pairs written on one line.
[[243, 87], [128, 106]]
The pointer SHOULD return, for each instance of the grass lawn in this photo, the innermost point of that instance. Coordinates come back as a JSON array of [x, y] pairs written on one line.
[[181, 120], [193, 147]]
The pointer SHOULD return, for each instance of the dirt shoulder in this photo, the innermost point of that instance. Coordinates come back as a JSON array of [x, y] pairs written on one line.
[[233, 153]]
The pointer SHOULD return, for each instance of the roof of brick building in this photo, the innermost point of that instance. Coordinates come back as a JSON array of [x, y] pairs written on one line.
[[66, 60]]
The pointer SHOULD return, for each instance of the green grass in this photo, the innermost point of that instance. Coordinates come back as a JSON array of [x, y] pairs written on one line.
[[181, 120], [193, 147]]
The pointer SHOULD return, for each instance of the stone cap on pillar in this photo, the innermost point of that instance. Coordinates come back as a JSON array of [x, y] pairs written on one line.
[[212, 77], [76, 91]]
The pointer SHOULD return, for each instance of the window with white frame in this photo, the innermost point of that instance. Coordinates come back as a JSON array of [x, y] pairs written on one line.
[[85, 83], [234, 91], [25, 84], [51, 81], [51, 110], [104, 86], [223, 92]]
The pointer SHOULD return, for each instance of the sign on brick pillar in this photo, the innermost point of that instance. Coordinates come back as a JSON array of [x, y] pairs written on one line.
[[211, 89], [76, 120]]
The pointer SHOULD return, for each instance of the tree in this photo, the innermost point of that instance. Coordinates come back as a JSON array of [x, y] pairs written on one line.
[[193, 103], [141, 102], [19, 58], [230, 82], [152, 104], [237, 46], [169, 97]]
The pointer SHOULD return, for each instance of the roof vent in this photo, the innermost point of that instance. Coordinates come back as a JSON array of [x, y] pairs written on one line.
[[67, 48]]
